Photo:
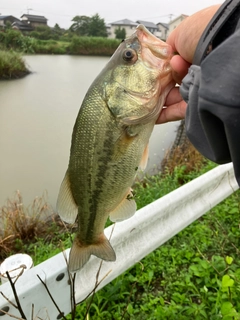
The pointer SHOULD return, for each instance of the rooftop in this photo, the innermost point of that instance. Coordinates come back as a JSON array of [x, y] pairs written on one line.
[[125, 22], [182, 16], [147, 24], [7, 16], [32, 17], [165, 25]]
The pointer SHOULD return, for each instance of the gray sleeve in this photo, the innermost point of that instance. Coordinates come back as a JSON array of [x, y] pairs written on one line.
[[212, 92]]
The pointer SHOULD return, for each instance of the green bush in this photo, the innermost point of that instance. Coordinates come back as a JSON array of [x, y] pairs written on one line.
[[12, 38], [15, 40], [52, 47], [27, 45], [43, 33], [2, 37]]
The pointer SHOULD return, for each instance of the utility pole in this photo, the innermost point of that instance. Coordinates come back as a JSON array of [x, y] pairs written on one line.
[[170, 16], [29, 9]]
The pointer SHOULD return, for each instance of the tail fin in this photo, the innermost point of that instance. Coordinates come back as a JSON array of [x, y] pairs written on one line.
[[80, 253]]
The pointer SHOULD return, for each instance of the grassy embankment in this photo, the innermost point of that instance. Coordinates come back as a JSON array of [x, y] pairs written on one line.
[[69, 44], [13, 44], [77, 46], [195, 275]]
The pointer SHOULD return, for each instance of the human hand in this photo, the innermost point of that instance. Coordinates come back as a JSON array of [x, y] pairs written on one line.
[[185, 37], [184, 40], [175, 107]]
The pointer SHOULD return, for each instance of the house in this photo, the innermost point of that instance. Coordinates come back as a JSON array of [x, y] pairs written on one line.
[[33, 20], [162, 30], [5, 19], [128, 25], [108, 29], [174, 23], [27, 23], [152, 27], [22, 26]]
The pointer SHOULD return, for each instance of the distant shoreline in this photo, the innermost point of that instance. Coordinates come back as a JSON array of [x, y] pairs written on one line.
[[15, 75]]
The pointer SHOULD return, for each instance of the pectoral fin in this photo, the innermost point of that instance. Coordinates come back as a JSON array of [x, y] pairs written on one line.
[[125, 209], [66, 206]]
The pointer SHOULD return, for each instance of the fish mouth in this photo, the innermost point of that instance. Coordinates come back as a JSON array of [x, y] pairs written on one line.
[[158, 47]]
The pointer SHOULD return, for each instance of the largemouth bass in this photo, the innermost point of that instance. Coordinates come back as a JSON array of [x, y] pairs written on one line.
[[110, 142]]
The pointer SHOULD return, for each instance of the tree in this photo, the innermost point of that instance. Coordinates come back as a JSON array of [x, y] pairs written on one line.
[[42, 33], [89, 26], [57, 31], [8, 25], [56, 27], [80, 25], [97, 27], [120, 33]]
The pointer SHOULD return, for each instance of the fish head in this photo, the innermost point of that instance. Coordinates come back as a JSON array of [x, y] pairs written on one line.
[[140, 73]]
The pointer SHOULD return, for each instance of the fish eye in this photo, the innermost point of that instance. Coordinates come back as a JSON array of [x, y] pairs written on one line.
[[129, 55]]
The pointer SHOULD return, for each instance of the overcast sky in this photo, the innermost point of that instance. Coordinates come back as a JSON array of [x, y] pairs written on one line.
[[62, 11]]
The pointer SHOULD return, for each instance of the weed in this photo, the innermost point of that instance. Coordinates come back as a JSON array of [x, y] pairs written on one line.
[[21, 227]]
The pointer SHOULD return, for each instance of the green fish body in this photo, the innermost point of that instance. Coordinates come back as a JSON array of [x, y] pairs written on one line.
[[110, 142]]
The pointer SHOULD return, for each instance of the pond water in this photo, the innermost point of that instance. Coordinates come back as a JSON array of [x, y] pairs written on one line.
[[37, 114]]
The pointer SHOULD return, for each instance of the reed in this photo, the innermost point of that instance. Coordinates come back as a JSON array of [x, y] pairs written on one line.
[[93, 46], [12, 65]]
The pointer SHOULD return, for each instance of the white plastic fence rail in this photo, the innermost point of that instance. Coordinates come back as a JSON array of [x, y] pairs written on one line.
[[132, 240]]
